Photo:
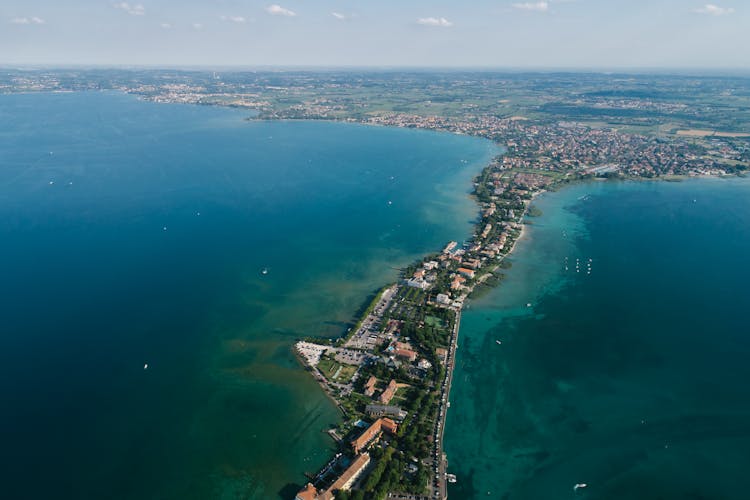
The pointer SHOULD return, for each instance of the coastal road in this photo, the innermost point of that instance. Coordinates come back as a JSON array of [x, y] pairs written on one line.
[[439, 453]]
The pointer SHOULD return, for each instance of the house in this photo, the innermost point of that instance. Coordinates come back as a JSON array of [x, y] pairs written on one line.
[[370, 386], [424, 364], [417, 283], [388, 392], [403, 345], [443, 299], [430, 266], [406, 354], [457, 282], [467, 273]]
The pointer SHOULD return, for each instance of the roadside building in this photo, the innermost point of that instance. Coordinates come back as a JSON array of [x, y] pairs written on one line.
[[442, 354]]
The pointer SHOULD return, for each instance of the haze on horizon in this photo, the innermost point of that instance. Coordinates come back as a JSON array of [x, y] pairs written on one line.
[[424, 33]]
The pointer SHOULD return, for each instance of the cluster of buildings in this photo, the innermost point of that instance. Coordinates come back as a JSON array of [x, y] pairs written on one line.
[[344, 482], [358, 465]]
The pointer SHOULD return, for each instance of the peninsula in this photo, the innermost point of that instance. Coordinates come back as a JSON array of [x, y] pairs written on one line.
[[390, 374]]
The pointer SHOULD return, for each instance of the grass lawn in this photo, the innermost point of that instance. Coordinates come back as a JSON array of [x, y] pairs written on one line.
[[335, 371]]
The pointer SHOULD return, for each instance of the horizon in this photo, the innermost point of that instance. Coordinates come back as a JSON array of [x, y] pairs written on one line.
[[646, 71], [567, 34]]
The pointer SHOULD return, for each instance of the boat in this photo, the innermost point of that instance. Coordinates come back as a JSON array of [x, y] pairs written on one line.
[[264, 271], [145, 367], [579, 486], [499, 342]]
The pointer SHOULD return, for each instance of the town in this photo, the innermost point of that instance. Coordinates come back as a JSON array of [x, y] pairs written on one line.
[[391, 374]]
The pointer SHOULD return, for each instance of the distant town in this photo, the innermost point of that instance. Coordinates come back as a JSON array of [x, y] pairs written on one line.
[[390, 372]]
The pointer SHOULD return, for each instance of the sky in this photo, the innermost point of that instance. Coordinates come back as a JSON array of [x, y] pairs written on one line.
[[378, 33]]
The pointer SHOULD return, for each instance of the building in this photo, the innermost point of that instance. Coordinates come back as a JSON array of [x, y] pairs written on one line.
[[467, 273], [373, 432], [388, 425], [443, 299], [458, 282], [417, 283], [424, 364], [370, 386], [442, 354], [307, 493], [450, 246], [351, 474], [403, 345], [430, 266], [406, 354], [376, 411], [343, 483], [472, 264], [388, 392]]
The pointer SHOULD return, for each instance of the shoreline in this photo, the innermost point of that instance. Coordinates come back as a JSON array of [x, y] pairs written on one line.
[[440, 456], [519, 223]]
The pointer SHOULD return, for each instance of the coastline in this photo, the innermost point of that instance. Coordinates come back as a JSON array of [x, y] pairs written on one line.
[[441, 459]]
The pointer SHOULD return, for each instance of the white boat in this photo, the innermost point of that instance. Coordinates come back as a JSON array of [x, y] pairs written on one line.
[[579, 486], [499, 342], [145, 367], [264, 271]]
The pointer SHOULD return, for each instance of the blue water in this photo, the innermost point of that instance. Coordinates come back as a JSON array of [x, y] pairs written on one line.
[[631, 379], [135, 233]]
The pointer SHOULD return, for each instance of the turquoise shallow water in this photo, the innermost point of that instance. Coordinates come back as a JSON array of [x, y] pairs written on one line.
[[631, 379], [136, 233]]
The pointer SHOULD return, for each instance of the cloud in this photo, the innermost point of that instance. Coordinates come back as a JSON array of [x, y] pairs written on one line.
[[278, 10], [166, 26], [197, 26], [434, 21], [714, 10], [532, 6], [28, 20], [339, 16], [133, 10], [233, 19]]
